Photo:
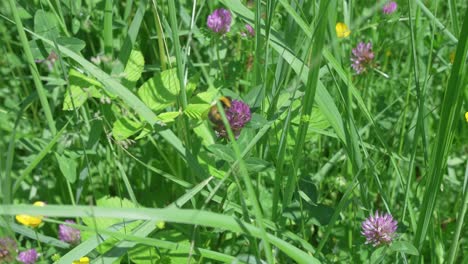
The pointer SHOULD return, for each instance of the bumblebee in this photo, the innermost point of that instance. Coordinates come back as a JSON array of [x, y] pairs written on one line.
[[213, 113]]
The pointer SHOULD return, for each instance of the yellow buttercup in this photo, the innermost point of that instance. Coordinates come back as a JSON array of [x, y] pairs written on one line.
[[342, 30], [28, 220]]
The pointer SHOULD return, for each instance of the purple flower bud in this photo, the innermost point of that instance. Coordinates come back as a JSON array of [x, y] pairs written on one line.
[[7, 250], [250, 30], [379, 229], [238, 116], [28, 257], [389, 7], [69, 234], [219, 21], [362, 57]]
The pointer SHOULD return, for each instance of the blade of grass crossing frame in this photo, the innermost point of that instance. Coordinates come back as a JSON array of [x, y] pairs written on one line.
[[450, 110], [141, 232], [185, 216]]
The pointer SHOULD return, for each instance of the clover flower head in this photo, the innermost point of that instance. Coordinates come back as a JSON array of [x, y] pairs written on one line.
[[342, 30], [29, 256], [219, 21], [7, 249], [69, 234], [238, 115], [362, 57], [28, 220], [379, 229], [389, 7], [250, 31]]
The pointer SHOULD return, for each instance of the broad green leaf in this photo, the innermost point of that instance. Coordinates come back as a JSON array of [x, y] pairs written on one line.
[[160, 91], [79, 95], [222, 152], [168, 117], [378, 255], [125, 127], [142, 254], [134, 67], [192, 84], [254, 165], [404, 247], [81, 88], [206, 97], [197, 111], [45, 24], [67, 167], [72, 43]]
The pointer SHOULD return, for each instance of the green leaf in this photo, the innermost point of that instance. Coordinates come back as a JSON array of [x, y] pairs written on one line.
[[77, 78], [125, 127], [378, 255], [197, 111], [134, 67], [222, 152], [404, 247], [72, 43], [81, 88], [254, 164], [168, 117], [76, 24], [46, 25], [192, 84], [79, 95], [160, 91], [67, 167], [141, 254], [206, 97]]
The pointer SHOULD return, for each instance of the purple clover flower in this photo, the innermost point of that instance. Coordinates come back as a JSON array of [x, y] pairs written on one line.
[[362, 57], [69, 234], [219, 21], [379, 229], [7, 250], [29, 256], [250, 31], [389, 7], [238, 115]]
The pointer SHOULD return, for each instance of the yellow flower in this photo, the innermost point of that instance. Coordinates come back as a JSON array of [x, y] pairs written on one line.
[[83, 260], [28, 220], [466, 116], [342, 30]]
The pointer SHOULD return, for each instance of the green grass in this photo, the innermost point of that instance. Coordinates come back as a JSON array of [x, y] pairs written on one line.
[[114, 133]]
